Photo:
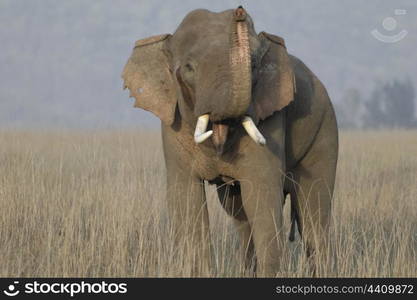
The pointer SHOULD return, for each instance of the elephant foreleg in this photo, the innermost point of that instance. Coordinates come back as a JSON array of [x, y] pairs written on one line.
[[231, 199], [247, 246], [187, 207], [262, 202]]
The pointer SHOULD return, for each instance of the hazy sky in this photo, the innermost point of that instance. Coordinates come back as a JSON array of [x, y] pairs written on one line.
[[60, 61]]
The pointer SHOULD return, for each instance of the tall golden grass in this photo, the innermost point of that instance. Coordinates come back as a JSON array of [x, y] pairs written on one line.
[[92, 204]]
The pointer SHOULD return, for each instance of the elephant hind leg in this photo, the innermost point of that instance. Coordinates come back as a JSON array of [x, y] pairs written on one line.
[[313, 181], [310, 211], [231, 200], [311, 208], [311, 200]]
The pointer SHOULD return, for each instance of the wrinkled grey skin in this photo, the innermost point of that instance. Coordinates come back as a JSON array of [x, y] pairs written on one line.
[[252, 180]]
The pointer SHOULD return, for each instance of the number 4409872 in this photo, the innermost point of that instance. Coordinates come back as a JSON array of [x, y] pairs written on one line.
[[390, 289]]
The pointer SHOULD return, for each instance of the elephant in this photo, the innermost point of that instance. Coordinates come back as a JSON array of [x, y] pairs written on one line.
[[239, 112]]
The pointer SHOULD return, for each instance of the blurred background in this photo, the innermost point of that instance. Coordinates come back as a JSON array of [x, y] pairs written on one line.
[[60, 61]]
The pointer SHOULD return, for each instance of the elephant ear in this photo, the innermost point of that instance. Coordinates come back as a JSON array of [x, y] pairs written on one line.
[[148, 77], [275, 87]]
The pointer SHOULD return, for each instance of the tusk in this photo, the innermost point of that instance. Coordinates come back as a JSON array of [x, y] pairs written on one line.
[[200, 134], [202, 137], [253, 131]]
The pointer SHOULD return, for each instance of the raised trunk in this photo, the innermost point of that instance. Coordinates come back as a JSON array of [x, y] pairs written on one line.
[[241, 78], [240, 66], [227, 96], [224, 79]]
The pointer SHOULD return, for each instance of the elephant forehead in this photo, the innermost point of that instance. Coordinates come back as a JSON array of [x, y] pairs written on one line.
[[206, 29], [201, 19], [203, 28]]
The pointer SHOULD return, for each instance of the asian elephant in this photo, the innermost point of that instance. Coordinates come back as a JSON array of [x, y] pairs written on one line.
[[238, 111]]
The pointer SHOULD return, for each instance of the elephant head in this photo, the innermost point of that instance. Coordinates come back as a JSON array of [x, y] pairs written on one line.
[[218, 72]]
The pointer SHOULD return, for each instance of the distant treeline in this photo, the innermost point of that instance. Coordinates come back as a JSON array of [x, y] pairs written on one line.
[[390, 105]]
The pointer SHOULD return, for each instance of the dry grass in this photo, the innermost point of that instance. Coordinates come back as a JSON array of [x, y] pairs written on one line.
[[91, 204]]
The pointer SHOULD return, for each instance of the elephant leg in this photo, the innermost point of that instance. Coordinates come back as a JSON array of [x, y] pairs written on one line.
[[188, 213], [231, 199], [311, 197], [247, 246], [262, 201]]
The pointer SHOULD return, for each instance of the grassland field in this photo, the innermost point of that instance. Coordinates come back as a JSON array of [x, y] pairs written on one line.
[[91, 204]]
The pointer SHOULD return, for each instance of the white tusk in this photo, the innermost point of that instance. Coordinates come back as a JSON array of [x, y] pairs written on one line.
[[253, 131], [202, 137], [200, 134]]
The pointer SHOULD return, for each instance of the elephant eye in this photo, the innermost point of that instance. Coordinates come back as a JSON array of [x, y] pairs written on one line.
[[187, 73], [189, 68]]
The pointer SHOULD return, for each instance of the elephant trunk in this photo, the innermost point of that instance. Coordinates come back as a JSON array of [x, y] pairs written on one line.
[[240, 94], [224, 76], [240, 66]]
